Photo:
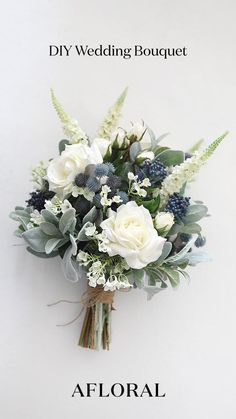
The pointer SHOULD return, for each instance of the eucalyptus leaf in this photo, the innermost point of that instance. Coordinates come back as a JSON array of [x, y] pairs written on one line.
[[171, 157], [195, 213], [191, 229]]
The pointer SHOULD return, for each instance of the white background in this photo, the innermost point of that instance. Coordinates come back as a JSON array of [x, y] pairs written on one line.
[[186, 339]]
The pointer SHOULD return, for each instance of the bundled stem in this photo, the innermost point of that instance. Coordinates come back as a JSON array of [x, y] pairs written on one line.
[[96, 329]]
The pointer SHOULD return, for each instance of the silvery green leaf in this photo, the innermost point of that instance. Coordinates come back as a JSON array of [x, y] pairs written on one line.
[[173, 276], [70, 267], [197, 257], [175, 229], [42, 255], [182, 253], [137, 277], [67, 220], [134, 150], [36, 239], [50, 217], [19, 208], [90, 216], [51, 245], [191, 229], [165, 252], [18, 233], [82, 236], [195, 213], [185, 274], [171, 157], [50, 229], [151, 290]]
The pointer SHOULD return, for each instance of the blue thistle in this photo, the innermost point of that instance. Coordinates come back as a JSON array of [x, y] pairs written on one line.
[[123, 196], [111, 168], [114, 182], [81, 179], [101, 170], [97, 200], [177, 204], [93, 184]]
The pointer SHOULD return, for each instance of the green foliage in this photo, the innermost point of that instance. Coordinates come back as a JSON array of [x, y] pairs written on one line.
[[195, 213], [62, 145], [171, 157], [151, 204], [67, 221]]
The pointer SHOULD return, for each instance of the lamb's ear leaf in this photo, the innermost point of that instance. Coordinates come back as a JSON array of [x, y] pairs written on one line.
[[91, 216], [50, 217], [70, 267], [36, 239], [51, 245], [42, 255], [182, 253], [82, 236], [165, 252], [67, 220], [134, 150], [50, 229]]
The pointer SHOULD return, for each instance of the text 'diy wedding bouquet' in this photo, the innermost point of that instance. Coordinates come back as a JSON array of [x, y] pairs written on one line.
[[114, 209]]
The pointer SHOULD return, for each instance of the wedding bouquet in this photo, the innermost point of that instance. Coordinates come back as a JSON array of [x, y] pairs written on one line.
[[115, 210]]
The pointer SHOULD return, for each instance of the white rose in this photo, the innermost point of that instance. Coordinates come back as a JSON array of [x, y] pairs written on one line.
[[61, 171], [164, 221], [119, 139], [104, 145], [130, 233], [144, 155]]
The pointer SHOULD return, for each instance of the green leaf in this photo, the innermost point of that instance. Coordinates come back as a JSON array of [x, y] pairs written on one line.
[[152, 205], [67, 220], [158, 150], [62, 145], [172, 275], [196, 146], [138, 275], [50, 229], [171, 157]]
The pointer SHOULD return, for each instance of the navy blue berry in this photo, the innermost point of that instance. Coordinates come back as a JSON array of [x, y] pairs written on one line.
[[153, 169], [201, 241], [38, 199], [177, 204]]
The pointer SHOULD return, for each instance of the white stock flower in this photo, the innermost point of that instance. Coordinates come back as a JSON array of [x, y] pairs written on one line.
[[90, 230], [103, 144], [131, 235], [164, 221], [61, 171]]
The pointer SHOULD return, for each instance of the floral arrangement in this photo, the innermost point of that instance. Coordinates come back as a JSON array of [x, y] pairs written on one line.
[[115, 210]]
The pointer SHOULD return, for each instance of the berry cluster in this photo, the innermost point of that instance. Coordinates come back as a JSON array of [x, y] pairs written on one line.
[[38, 199], [177, 204], [154, 170]]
